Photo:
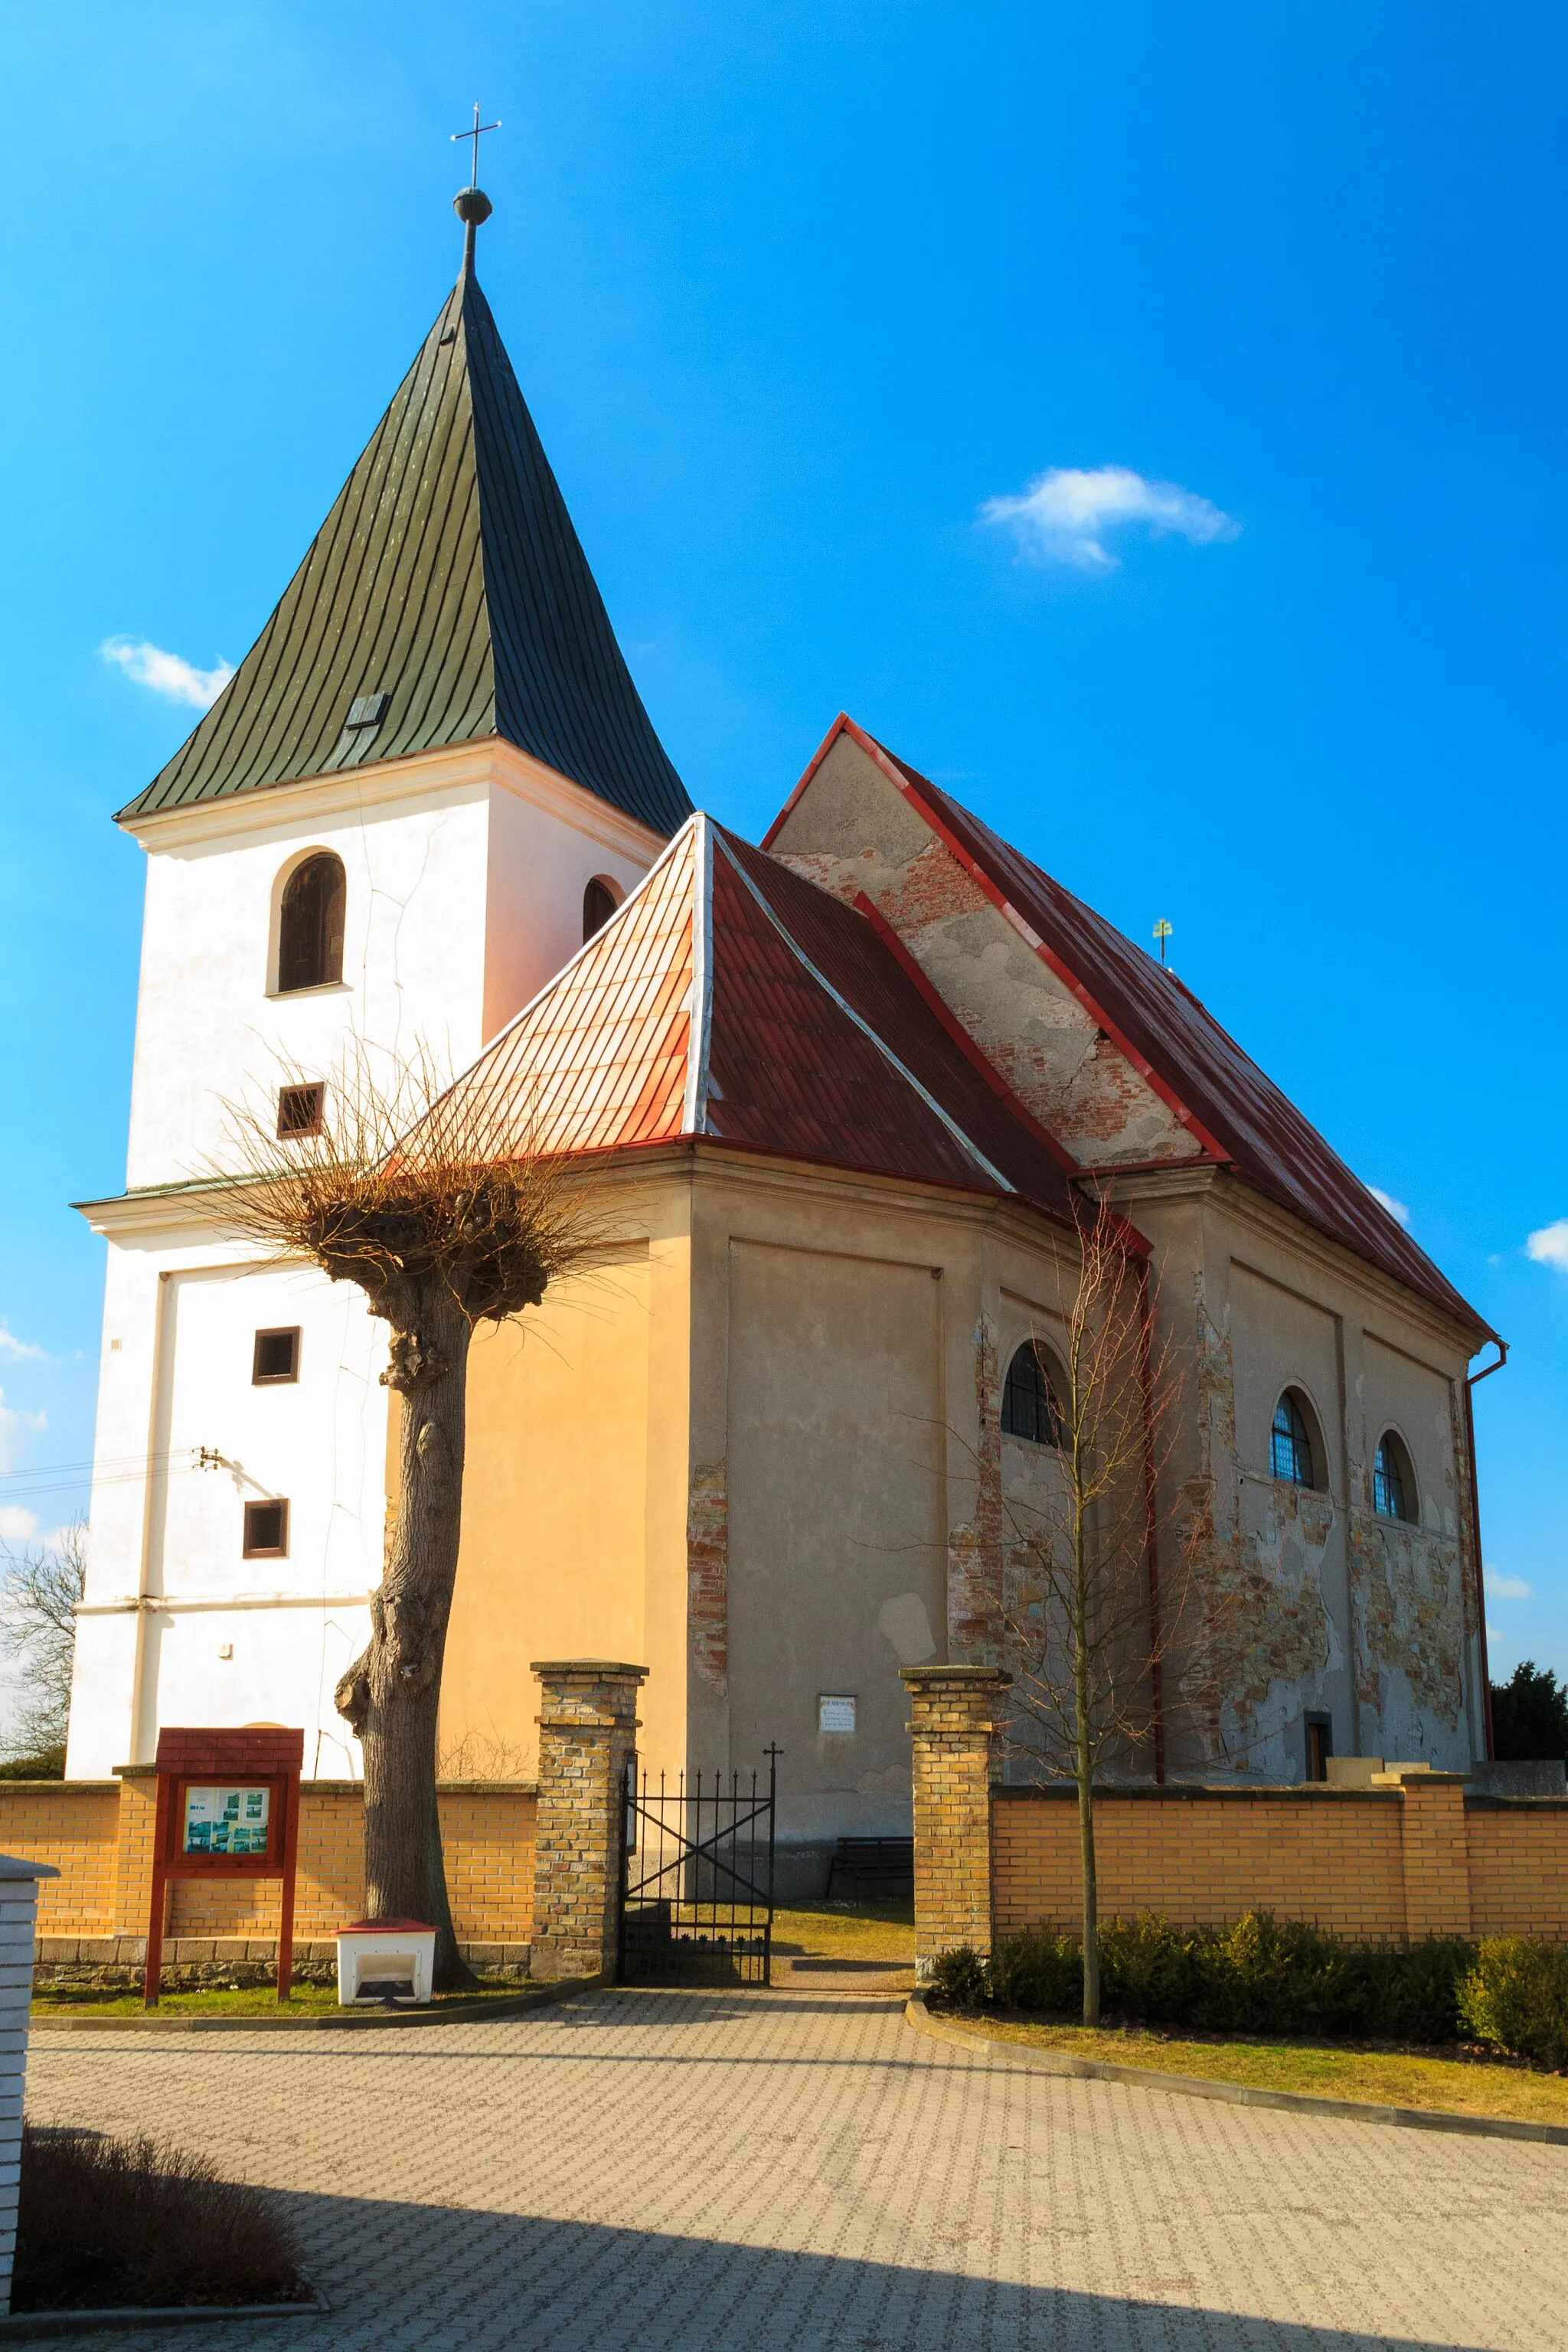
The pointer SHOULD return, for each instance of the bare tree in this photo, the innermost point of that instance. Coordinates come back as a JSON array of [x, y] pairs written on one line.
[[1088, 1620], [40, 1585], [413, 1193]]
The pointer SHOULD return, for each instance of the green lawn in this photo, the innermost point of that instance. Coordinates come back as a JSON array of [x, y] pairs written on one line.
[[255, 2000], [874, 1930], [1396, 2078]]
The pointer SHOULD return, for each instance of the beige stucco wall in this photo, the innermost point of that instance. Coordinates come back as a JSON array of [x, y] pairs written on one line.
[[852, 830], [574, 1494], [1326, 1606]]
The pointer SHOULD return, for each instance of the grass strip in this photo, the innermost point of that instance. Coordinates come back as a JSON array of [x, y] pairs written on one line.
[[248, 2000], [1459, 2084]]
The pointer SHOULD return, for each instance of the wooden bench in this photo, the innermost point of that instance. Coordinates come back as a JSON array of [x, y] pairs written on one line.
[[873, 1861]]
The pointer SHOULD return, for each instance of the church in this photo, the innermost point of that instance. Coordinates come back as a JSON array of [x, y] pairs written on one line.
[[845, 1094]]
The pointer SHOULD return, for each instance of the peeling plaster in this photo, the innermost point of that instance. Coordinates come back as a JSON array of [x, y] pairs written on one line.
[[1408, 1682]]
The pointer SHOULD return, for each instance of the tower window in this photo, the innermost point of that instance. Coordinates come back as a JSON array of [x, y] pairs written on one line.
[[276, 1358], [266, 1530], [599, 903], [311, 924], [1291, 1450], [1031, 1406], [301, 1110], [1393, 1480]]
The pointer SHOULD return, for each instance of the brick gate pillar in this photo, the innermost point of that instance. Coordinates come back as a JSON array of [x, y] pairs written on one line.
[[952, 1712], [587, 1732], [1434, 1847]]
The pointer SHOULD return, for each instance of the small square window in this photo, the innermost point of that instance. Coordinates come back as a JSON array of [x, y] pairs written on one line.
[[301, 1110], [266, 1530], [835, 1712], [276, 1358]]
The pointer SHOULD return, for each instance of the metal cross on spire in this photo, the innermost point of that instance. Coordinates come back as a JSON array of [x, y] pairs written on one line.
[[476, 134]]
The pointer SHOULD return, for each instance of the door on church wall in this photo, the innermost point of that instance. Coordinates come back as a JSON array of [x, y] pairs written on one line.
[[837, 1542]]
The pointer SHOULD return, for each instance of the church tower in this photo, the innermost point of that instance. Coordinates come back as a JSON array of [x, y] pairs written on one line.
[[429, 780]]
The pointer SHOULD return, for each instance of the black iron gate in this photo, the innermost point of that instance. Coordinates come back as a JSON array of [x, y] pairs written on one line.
[[696, 1880]]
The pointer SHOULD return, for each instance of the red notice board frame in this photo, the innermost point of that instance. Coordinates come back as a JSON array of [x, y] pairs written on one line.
[[264, 1756]]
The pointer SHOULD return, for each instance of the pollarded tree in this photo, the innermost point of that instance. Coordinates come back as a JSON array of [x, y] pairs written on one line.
[[1088, 1621], [398, 1190]]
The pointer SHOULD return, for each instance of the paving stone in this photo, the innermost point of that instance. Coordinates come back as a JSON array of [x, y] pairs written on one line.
[[747, 2172]]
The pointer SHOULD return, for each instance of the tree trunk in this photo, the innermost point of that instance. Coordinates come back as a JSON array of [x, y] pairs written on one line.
[[391, 1693], [1085, 1778]]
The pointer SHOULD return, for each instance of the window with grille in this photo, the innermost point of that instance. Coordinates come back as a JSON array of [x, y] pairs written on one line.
[[311, 924], [301, 1110], [1031, 1404], [1393, 1480], [267, 1530], [275, 1358], [1291, 1453]]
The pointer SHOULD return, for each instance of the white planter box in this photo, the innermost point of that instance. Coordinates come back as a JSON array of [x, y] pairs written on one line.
[[399, 1954]]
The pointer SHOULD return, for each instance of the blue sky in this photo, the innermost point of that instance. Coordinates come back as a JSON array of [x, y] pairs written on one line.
[[800, 295]]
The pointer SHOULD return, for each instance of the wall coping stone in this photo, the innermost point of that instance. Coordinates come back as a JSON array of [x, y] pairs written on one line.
[[311, 1787], [1310, 1792]]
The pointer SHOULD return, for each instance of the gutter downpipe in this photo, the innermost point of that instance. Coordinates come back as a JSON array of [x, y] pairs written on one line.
[[1470, 1381], [1151, 1520]]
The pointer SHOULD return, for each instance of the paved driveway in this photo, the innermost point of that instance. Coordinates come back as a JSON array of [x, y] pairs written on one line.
[[745, 2172]]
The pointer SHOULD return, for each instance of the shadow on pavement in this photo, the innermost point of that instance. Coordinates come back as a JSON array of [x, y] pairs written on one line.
[[424, 2278]]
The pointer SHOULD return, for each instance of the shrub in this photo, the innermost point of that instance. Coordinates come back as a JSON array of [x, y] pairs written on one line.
[[1037, 1970], [1515, 1996], [104, 2221], [1261, 1975], [958, 1977]]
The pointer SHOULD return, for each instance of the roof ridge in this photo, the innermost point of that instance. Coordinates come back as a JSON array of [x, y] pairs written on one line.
[[987, 1166]]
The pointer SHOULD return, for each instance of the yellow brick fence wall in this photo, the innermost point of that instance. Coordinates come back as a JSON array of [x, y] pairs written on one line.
[[1375, 1865]]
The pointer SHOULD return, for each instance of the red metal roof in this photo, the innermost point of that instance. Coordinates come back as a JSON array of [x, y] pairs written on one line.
[[1236, 1112], [729, 999]]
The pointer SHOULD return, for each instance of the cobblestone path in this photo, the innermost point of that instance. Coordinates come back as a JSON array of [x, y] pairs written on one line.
[[708, 2172]]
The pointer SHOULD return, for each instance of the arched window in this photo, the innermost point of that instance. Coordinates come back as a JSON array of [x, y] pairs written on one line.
[[1290, 1443], [311, 924], [1031, 1405], [599, 903], [1393, 1480]]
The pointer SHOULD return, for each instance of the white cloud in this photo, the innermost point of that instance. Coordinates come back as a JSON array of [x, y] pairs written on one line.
[[1550, 1246], [20, 1351], [1507, 1588], [1396, 1209], [15, 1524], [166, 673], [14, 1426], [1062, 514]]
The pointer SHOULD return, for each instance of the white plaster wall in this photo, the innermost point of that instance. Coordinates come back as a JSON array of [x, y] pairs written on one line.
[[208, 1026], [167, 1530], [540, 866]]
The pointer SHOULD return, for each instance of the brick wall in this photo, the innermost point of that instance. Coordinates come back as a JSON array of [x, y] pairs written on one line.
[[1518, 1867], [99, 1836], [1377, 1864], [73, 1825]]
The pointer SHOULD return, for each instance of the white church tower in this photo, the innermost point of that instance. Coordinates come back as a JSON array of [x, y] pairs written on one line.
[[431, 778]]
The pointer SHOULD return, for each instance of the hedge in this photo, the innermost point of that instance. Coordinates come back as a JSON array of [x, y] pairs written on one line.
[[1265, 1975]]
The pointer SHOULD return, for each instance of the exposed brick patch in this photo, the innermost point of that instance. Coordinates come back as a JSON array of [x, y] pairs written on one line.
[[974, 1620], [708, 1575]]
